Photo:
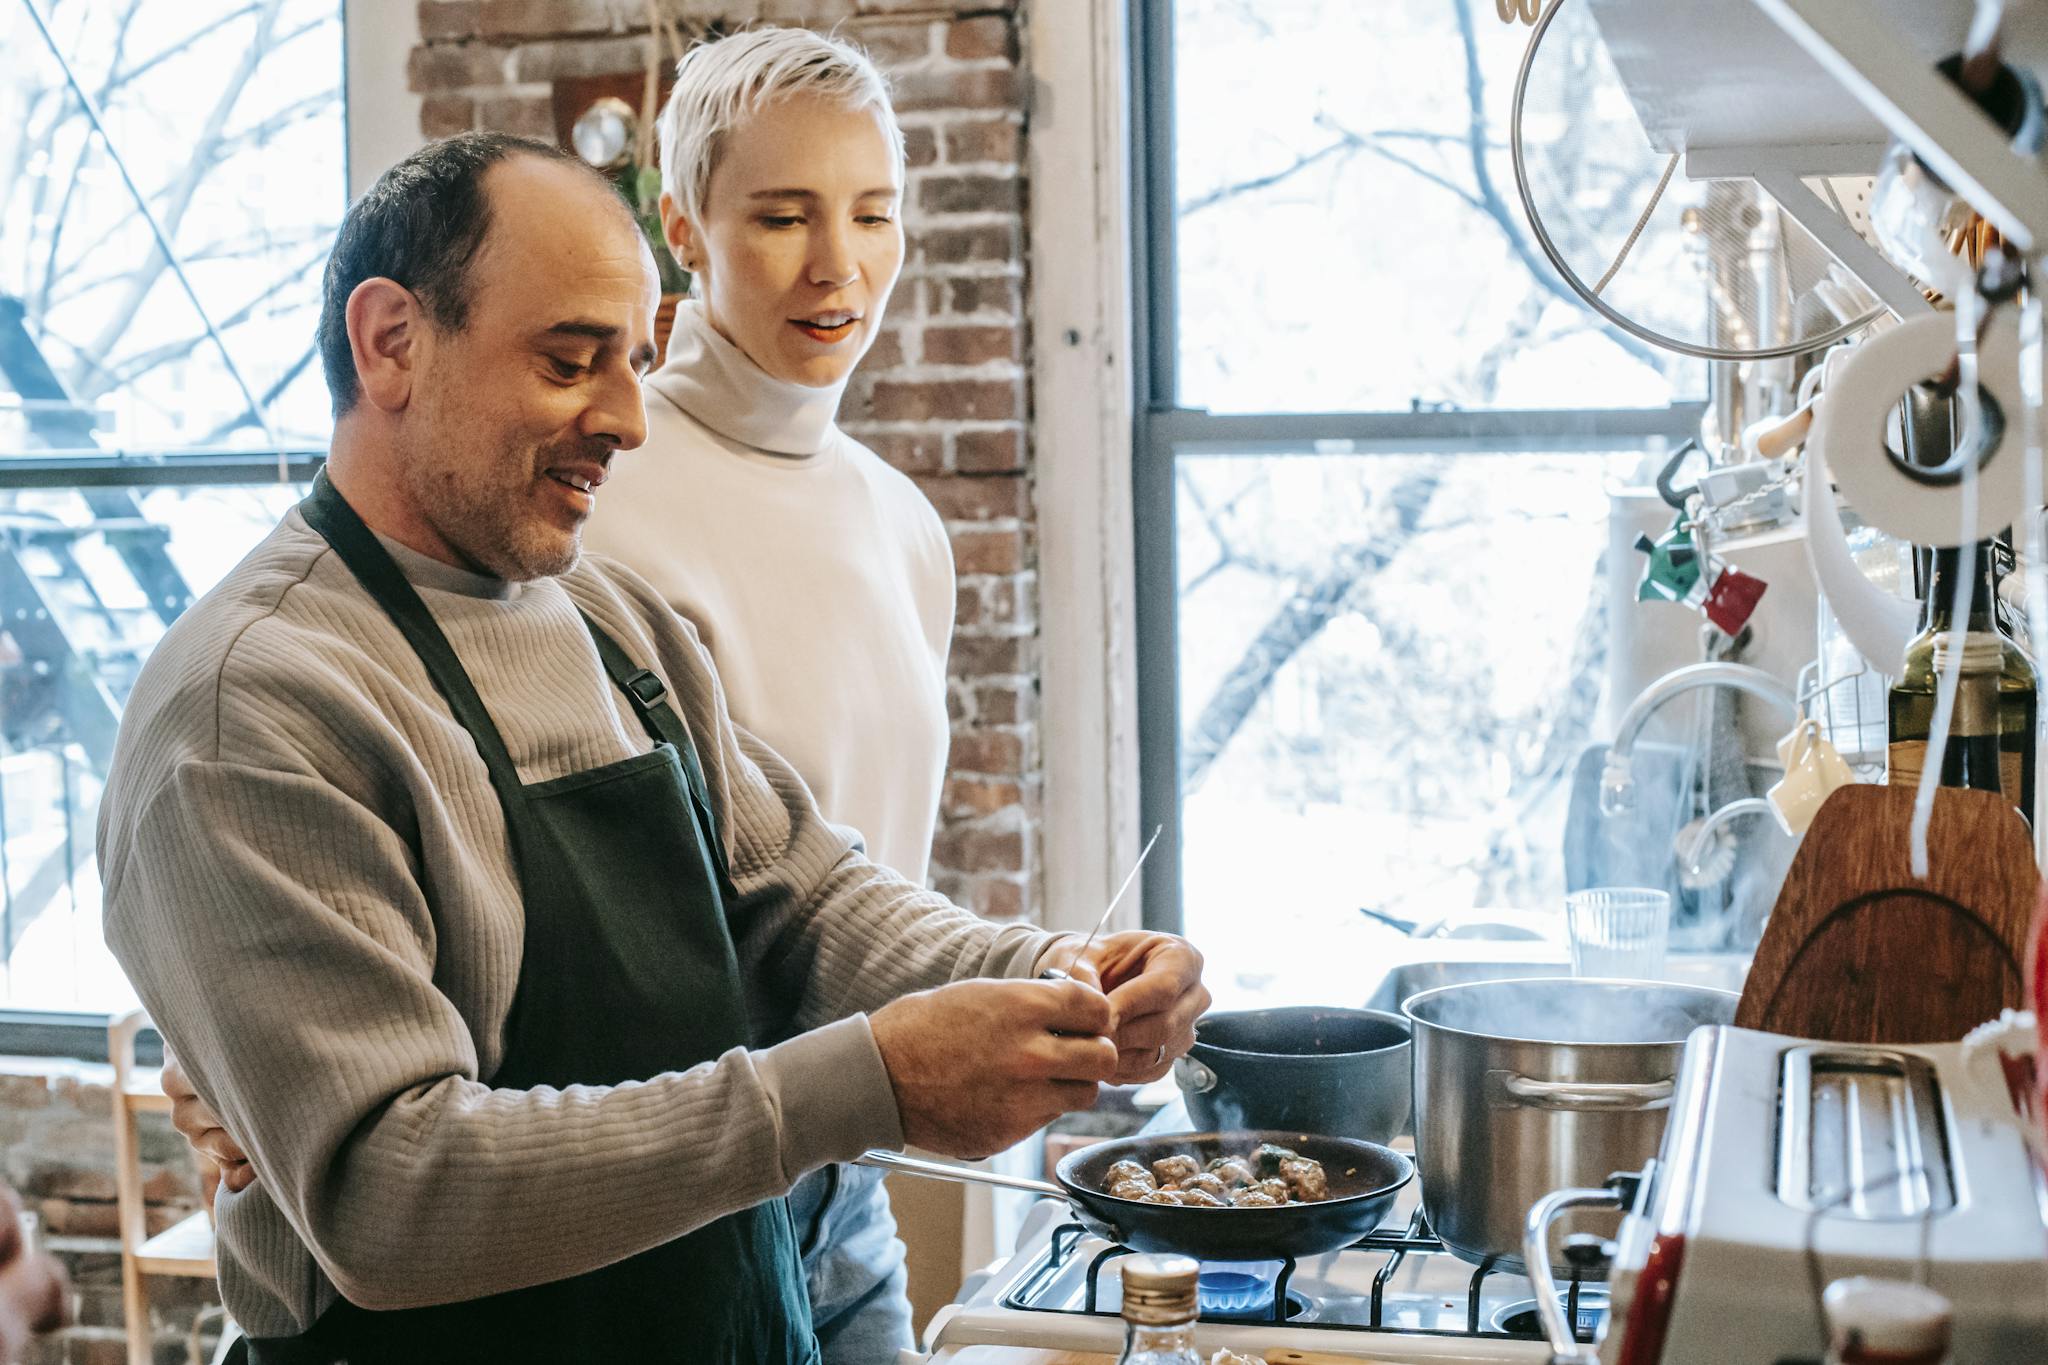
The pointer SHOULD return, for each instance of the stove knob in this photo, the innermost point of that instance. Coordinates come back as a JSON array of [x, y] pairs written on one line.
[[1589, 1255]]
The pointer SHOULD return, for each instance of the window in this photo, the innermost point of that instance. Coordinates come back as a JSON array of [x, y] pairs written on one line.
[[171, 176], [1376, 443]]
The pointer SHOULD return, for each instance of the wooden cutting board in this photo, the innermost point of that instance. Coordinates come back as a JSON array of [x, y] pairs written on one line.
[[1858, 951]]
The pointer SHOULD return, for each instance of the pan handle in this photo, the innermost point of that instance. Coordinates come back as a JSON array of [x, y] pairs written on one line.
[[1564, 1345], [1193, 1077], [965, 1175], [1601, 1096]]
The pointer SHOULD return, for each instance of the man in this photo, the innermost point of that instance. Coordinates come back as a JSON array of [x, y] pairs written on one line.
[[436, 858]]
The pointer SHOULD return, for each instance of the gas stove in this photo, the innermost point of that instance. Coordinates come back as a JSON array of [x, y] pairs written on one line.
[[1396, 1296]]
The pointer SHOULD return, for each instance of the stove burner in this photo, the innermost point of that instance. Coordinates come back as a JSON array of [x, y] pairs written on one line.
[[1230, 1291], [1241, 1296], [1519, 1319]]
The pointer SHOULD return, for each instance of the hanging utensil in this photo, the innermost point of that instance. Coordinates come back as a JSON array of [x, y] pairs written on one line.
[[1057, 974]]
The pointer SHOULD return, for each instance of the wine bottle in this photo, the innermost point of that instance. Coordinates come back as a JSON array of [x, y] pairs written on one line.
[[1991, 732], [1159, 1310]]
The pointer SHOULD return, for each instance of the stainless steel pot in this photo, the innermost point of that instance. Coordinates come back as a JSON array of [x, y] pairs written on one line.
[[1306, 1068], [1525, 1087]]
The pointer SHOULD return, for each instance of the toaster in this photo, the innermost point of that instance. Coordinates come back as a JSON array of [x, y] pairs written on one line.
[[1789, 1163]]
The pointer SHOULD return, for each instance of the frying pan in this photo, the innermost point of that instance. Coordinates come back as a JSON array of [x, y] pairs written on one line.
[[1364, 1180]]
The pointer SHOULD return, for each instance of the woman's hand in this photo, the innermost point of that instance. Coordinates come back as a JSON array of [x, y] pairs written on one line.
[[32, 1294], [201, 1127]]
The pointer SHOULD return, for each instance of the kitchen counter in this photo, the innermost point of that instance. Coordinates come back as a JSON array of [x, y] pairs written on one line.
[[1020, 1355], [1015, 1355]]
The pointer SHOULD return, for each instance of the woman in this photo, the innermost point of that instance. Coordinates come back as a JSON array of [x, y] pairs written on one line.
[[820, 579]]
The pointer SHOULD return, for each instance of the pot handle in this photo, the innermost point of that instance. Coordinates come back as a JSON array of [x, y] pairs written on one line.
[[1601, 1096], [1564, 1345], [964, 1175], [1193, 1077]]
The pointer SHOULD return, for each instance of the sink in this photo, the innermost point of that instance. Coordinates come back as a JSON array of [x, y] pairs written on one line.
[[1723, 971]]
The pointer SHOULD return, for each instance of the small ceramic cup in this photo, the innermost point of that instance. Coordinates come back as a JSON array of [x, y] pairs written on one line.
[[1813, 772]]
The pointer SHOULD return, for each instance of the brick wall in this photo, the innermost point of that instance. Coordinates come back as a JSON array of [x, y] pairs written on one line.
[[57, 1148], [942, 396]]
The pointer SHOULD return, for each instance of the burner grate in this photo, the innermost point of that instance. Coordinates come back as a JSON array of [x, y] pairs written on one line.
[[1230, 1302]]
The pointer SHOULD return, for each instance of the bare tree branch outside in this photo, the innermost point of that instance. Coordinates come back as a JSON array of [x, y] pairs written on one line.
[[1388, 662], [171, 177], [246, 184]]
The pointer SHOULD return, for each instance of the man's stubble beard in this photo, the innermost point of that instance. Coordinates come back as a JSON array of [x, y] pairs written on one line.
[[467, 499]]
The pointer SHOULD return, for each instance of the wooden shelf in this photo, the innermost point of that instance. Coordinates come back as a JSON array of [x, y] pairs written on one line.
[[184, 1248], [144, 1092]]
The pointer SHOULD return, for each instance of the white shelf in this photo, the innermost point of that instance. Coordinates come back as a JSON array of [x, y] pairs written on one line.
[[1720, 82]]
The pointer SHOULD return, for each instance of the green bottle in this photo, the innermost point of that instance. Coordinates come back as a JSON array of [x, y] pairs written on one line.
[[1991, 735]]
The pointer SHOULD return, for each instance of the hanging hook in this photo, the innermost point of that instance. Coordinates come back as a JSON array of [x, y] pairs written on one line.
[[1673, 496]]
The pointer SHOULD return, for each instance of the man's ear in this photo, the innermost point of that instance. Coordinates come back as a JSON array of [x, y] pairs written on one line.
[[385, 329], [680, 235]]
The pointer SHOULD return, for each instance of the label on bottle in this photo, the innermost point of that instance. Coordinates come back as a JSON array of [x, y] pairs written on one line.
[[1907, 757], [1904, 761]]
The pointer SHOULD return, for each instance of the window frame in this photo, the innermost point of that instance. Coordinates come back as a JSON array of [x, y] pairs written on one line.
[[81, 1035], [1163, 431]]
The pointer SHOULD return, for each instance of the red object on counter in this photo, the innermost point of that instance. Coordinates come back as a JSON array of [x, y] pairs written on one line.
[[1731, 600], [1649, 1316], [2037, 992]]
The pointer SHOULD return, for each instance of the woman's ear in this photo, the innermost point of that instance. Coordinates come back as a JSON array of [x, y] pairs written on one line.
[[385, 328], [681, 235]]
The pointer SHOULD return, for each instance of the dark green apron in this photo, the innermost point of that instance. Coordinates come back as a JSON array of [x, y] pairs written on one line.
[[628, 971]]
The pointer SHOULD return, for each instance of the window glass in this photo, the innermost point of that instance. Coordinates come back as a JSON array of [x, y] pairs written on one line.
[[1348, 231], [226, 119], [1389, 667], [181, 333]]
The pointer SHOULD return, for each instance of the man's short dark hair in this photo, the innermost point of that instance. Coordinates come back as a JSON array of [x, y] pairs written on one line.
[[421, 225]]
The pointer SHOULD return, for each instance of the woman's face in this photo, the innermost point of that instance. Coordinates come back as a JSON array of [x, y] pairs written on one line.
[[800, 243]]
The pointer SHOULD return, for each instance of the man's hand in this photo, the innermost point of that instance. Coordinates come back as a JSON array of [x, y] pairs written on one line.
[[32, 1295], [1154, 982], [201, 1128], [981, 1065]]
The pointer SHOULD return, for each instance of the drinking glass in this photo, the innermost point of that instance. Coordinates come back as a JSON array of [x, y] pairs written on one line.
[[1618, 931]]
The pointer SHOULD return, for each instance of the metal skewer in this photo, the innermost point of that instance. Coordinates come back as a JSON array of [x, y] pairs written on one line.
[[1055, 973]]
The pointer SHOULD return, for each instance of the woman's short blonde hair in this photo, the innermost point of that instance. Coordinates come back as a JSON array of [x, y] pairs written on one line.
[[722, 83]]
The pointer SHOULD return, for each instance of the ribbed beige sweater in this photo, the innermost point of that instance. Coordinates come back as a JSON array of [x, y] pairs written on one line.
[[307, 879]]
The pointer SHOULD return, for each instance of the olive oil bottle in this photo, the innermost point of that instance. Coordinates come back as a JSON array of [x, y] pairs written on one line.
[[1991, 734], [1159, 1310]]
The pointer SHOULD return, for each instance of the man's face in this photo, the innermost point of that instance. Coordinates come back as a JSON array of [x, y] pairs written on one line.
[[801, 243], [514, 418]]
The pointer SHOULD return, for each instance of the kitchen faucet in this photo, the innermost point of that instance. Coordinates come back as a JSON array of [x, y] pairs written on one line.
[[1617, 778]]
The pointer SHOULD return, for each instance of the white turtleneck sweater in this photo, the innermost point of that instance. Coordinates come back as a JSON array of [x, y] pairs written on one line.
[[819, 578]]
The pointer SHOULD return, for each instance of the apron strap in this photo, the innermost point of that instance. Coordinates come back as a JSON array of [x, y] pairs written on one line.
[[327, 512], [648, 695]]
